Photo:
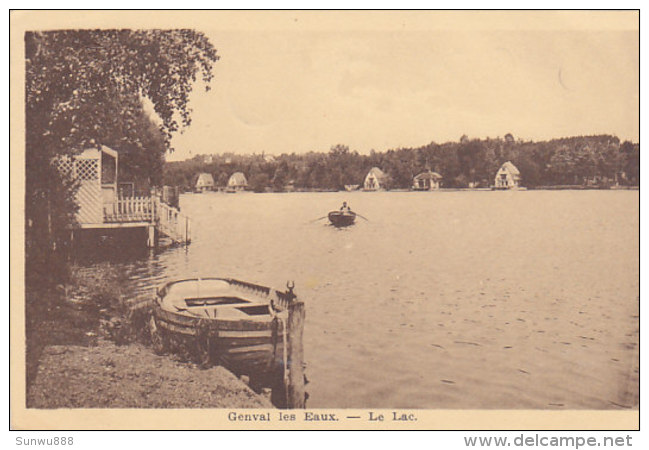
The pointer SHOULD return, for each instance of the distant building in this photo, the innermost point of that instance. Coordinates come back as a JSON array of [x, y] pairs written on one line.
[[205, 182], [507, 177], [427, 181], [237, 182], [376, 179]]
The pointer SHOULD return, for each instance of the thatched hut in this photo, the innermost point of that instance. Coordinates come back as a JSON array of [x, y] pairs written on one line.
[[427, 181], [376, 179], [237, 182], [507, 177], [205, 182]]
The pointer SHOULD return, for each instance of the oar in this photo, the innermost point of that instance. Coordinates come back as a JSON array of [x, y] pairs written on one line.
[[362, 217], [319, 218]]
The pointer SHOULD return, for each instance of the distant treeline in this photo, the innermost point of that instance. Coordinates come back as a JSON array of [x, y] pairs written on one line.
[[594, 160]]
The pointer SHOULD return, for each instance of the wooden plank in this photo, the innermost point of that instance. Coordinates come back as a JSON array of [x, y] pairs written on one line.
[[246, 334], [174, 318], [234, 343], [243, 325], [246, 360], [226, 328], [100, 225], [251, 349], [177, 329]]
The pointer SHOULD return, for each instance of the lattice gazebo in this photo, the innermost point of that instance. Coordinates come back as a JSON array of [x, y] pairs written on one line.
[[102, 208], [96, 170]]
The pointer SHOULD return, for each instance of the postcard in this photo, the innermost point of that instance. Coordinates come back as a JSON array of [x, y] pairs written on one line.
[[325, 220]]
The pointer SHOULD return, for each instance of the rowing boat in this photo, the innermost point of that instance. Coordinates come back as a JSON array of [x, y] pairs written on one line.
[[239, 325], [342, 218]]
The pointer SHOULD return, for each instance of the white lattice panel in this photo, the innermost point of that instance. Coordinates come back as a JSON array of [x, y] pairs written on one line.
[[87, 169], [65, 166]]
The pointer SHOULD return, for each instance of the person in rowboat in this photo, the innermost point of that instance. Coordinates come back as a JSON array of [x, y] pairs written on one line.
[[345, 208]]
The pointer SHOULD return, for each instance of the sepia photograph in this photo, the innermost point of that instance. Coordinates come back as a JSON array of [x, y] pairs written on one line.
[[325, 219]]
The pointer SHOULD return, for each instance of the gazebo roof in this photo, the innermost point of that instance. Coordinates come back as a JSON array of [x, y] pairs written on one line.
[[511, 168], [428, 175], [378, 173], [237, 178], [205, 179]]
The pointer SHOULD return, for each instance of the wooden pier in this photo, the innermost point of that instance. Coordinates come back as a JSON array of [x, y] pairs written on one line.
[[150, 213], [104, 206]]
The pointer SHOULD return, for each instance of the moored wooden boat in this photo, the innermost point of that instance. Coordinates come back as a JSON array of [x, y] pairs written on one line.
[[239, 325], [342, 218]]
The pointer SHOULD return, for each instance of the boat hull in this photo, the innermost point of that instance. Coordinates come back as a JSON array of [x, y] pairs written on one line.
[[243, 347], [341, 219], [210, 335]]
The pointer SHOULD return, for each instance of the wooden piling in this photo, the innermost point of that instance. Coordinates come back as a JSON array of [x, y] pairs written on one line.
[[151, 236], [296, 392], [170, 196]]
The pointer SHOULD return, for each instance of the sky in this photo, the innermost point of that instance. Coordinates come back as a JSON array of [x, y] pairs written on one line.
[[284, 89]]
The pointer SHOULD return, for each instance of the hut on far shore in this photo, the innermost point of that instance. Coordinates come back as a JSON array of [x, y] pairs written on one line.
[[237, 182], [376, 179], [507, 177], [427, 181], [205, 182]]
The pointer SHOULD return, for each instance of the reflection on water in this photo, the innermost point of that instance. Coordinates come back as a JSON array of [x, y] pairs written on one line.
[[440, 300]]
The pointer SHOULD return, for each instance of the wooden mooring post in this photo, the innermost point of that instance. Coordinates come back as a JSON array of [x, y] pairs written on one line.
[[151, 240], [296, 393]]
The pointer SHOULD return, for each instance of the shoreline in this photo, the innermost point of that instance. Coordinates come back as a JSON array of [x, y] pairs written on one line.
[[107, 375], [569, 187], [84, 350]]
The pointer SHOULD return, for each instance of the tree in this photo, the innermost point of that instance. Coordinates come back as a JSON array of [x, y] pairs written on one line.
[[84, 88], [258, 182], [471, 162], [631, 161], [562, 166], [401, 166], [141, 157], [222, 179], [471, 157], [280, 178]]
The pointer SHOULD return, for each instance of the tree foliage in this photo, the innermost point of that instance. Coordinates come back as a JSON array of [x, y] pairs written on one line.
[[84, 88], [469, 162]]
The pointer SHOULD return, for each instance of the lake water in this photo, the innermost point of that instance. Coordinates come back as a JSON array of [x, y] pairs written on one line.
[[454, 300]]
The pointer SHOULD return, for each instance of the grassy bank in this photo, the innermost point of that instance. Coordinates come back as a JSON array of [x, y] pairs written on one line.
[[106, 375], [68, 312], [86, 348]]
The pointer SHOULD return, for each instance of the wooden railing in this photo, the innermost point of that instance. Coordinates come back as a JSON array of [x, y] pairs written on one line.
[[167, 219], [130, 209], [172, 223]]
